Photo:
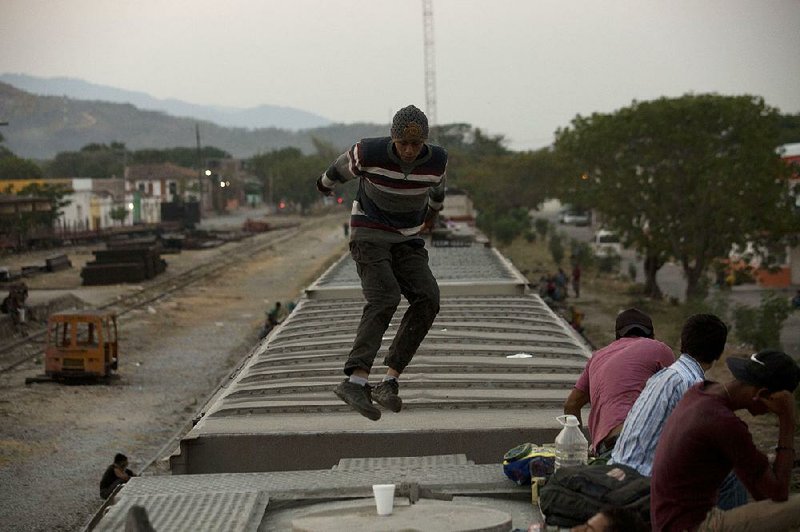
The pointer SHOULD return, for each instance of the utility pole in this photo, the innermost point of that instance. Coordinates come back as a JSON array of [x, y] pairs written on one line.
[[430, 64], [200, 173]]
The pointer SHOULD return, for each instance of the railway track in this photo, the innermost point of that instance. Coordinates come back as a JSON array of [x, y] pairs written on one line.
[[16, 352]]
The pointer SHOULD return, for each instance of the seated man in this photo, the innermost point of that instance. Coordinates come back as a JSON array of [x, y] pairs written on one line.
[[614, 377], [703, 440], [702, 342], [115, 474]]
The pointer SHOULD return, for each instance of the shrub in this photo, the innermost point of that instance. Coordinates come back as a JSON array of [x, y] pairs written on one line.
[[556, 248], [608, 263], [542, 226], [761, 326], [632, 271], [581, 253]]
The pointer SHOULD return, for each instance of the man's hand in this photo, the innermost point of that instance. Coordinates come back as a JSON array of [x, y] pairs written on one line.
[[327, 191], [780, 403], [430, 219]]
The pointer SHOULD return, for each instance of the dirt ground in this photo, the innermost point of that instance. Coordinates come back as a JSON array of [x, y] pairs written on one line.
[[56, 440]]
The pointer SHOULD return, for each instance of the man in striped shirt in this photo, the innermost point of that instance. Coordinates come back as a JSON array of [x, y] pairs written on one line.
[[702, 341], [401, 186]]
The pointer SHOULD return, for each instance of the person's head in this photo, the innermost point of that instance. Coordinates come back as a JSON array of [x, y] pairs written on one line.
[[613, 520], [278, 304], [409, 132], [632, 323], [120, 460], [767, 371], [703, 337]]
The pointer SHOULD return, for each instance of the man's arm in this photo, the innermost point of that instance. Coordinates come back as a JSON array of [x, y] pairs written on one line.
[[774, 483], [342, 170], [577, 398], [121, 473]]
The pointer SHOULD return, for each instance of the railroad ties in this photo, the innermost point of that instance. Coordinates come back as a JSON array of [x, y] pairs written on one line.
[[124, 262]]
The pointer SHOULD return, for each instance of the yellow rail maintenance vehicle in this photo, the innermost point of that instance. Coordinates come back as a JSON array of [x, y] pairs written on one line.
[[81, 344]]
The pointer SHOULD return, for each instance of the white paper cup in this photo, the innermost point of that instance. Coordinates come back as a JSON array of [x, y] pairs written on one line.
[[384, 498]]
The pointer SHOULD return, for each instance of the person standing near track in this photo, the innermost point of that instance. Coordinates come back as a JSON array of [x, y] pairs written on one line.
[[401, 189]]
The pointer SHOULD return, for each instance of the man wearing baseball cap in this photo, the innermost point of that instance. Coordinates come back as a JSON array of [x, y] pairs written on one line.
[[703, 440], [615, 376], [401, 188]]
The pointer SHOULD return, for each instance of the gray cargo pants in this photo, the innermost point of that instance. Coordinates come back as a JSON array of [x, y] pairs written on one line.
[[387, 271]]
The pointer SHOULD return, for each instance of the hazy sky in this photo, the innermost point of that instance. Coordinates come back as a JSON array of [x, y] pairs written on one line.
[[521, 68]]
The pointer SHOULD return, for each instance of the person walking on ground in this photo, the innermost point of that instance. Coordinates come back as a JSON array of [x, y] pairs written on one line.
[[614, 377], [703, 339], [576, 279], [115, 474], [401, 189], [561, 285], [703, 439]]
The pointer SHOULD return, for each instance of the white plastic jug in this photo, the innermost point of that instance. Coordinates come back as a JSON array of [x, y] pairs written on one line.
[[572, 448]]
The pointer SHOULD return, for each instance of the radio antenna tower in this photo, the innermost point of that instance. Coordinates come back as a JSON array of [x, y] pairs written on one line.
[[430, 63]]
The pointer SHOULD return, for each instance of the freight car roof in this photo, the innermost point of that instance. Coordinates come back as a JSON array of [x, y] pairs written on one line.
[[493, 372]]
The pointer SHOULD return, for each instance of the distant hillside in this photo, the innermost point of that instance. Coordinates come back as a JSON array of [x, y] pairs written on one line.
[[263, 116], [41, 126]]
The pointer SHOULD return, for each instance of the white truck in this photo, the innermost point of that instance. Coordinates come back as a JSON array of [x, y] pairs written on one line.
[[606, 243]]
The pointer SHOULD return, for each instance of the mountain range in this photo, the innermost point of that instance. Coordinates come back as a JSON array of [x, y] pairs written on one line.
[[255, 117], [46, 116]]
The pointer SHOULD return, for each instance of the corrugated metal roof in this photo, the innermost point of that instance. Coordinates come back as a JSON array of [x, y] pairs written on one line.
[[499, 360]]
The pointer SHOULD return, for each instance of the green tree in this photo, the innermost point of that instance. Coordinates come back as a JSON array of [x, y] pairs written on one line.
[[761, 326], [685, 178], [13, 167], [93, 160], [790, 129], [56, 193], [288, 174], [118, 214]]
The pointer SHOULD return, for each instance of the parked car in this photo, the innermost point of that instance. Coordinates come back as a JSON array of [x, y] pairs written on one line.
[[575, 217], [606, 243]]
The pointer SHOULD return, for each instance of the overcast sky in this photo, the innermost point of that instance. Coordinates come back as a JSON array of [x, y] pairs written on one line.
[[520, 68]]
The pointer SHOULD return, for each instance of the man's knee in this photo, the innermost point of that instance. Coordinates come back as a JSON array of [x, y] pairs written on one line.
[[384, 300]]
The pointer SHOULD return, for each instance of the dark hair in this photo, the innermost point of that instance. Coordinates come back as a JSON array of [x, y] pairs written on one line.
[[624, 520], [703, 337], [119, 458]]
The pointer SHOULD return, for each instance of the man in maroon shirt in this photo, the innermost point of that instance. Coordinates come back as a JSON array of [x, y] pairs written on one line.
[[703, 440]]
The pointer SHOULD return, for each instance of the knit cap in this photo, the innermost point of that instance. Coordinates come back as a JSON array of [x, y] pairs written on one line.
[[410, 124]]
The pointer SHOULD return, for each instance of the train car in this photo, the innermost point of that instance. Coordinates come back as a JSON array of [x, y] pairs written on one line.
[[492, 373]]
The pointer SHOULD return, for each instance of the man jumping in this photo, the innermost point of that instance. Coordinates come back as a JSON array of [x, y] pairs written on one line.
[[401, 189]]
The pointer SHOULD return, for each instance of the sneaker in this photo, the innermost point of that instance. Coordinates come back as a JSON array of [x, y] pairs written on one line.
[[386, 395], [359, 398]]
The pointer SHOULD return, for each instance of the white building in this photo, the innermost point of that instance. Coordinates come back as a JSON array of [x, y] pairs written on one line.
[[91, 204]]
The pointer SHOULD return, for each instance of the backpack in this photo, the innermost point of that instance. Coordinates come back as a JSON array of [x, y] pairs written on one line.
[[574, 494], [6, 305], [525, 461]]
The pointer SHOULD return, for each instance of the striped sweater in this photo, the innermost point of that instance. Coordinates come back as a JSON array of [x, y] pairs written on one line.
[[394, 198]]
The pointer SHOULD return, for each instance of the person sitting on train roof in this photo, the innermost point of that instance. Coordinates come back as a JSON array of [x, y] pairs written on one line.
[[703, 339], [703, 440], [615, 375]]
